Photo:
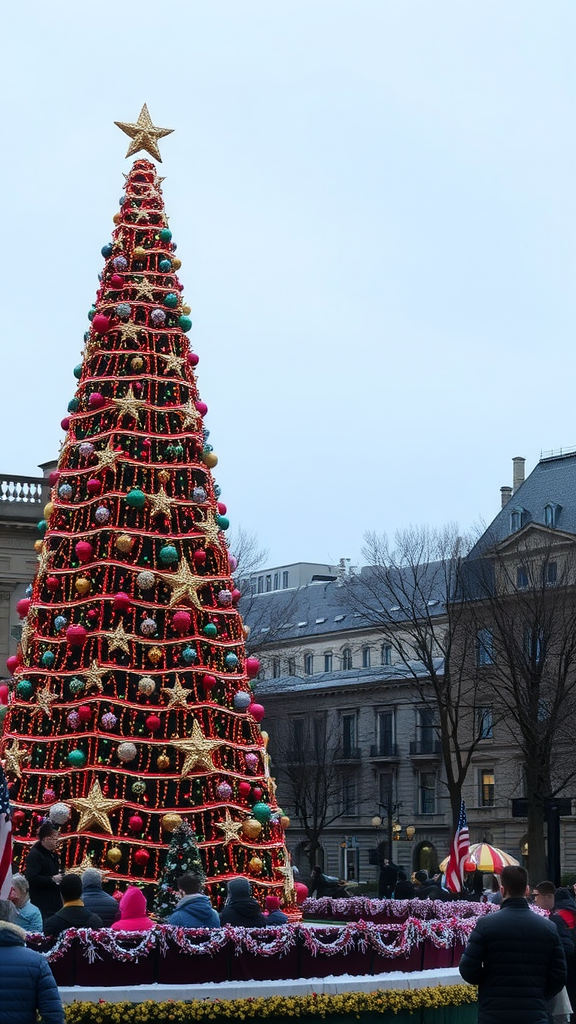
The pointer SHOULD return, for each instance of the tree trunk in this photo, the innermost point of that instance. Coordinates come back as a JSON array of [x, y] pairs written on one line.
[[536, 841]]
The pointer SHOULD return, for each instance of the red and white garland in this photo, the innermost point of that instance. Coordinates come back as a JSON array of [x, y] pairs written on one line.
[[360, 908]]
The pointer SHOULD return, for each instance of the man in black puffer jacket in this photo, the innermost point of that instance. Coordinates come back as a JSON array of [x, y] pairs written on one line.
[[26, 981], [241, 909], [96, 900], [516, 959]]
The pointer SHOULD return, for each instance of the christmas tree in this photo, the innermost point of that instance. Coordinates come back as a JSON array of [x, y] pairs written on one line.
[[132, 706], [183, 856]]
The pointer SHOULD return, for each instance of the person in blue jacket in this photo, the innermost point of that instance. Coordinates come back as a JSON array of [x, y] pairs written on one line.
[[27, 984], [26, 915], [194, 910]]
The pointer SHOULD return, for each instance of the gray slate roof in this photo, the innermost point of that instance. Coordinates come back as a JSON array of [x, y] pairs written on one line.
[[342, 680]]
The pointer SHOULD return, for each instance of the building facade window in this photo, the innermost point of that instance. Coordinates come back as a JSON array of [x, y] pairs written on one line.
[[260, 584], [517, 519], [386, 654], [285, 580], [534, 646], [276, 581], [298, 735], [308, 664], [551, 511], [486, 787], [385, 733], [426, 738], [484, 723], [521, 577], [276, 667], [291, 666], [426, 792], [348, 735], [365, 657], [268, 584], [551, 573], [386, 792], [347, 658], [327, 661], [349, 802], [484, 648]]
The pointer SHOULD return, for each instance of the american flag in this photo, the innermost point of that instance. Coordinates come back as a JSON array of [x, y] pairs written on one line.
[[5, 839], [459, 852]]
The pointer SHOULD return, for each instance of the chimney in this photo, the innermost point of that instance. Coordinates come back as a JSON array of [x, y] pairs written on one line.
[[506, 493], [517, 472]]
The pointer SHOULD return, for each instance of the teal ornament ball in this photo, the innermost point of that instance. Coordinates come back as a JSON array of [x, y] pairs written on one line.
[[261, 812], [210, 630], [223, 522], [185, 323], [76, 685], [76, 758], [189, 654], [78, 371], [91, 313], [171, 300], [47, 659], [42, 526], [165, 235], [231, 661], [73, 405], [135, 498], [24, 689], [107, 250], [168, 554], [165, 266]]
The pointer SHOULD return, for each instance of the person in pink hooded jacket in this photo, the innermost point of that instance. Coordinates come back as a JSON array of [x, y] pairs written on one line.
[[133, 917]]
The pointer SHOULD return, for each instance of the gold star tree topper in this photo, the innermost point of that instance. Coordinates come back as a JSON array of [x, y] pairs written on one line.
[[144, 134], [95, 808]]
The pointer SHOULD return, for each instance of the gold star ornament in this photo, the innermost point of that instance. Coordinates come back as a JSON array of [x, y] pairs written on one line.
[[185, 585], [197, 750], [14, 757], [229, 827], [44, 701], [129, 405], [144, 134], [93, 677], [160, 502], [177, 696], [119, 640], [95, 808]]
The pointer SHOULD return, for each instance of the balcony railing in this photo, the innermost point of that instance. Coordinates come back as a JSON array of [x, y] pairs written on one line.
[[348, 754], [21, 497], [425, 748], [384, 750]]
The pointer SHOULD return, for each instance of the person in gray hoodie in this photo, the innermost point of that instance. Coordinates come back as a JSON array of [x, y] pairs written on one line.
[[194, 910]]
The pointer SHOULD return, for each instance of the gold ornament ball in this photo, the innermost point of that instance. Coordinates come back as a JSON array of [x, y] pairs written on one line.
[[186, 309], [48, 509], [83, 586], [163, 762], [117, 218], [124, 543], [137, 363], [285, 821], [146, 685], [139, 253], [255, 865], [154, 655], [114, 855], [176, 264], [171, 821], [164, 476], [38, 545], [210, 459], [251, 828]]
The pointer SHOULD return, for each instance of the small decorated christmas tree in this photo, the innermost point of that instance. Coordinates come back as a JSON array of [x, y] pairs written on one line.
[[132, 687], [182, 857]]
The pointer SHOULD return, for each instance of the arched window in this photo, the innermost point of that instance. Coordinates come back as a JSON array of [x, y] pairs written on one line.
[[346, 658], [308, 664]]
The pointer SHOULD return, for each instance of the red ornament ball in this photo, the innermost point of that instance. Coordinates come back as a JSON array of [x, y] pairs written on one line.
[[199, 556], [12, 663], [23, 607], [208, 681], [193, 358], [101, 323], [52, 584], [244, 789], [84, 713], [54, 477], [121, 602], [153, 723], [92, 615], [3, 694], [236, 595], [222, 508], [257, 712], [96, 400], [18, 819], [76, 636], [252, 666], [83, 550], [201, 407], [136, 824], [116, 281], [94, 486], [65, 423], [49, 795], [257, 793], [141, 857], [181, 622]]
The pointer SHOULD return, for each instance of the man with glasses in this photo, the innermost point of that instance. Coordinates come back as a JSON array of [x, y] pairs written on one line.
[[43, 871]]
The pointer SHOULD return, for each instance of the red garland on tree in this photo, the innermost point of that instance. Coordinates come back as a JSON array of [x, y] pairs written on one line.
[[132, 704]]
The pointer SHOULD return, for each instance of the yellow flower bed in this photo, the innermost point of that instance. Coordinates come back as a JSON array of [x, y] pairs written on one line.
[[321, 1006]]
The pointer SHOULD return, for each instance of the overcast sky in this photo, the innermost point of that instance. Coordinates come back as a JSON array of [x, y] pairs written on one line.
[[374, 205]]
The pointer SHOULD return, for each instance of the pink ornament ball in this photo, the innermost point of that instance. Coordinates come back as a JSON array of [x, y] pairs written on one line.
[[257, 793], [233, 563], [201, 407], [54, 477], [92, 615], [199, 557], [101, 323], [181, 622], [193, 358], [94, 487], [208, 681], [86, 448], [244, 788], [252, 763], [136, 824], [23, 607], [65, 423], [257, 711], [121, 602], [222, 508], [225, 598], [224, 791], [85, 713], [116, 281], [236, 595], [83, 551], [76, 636], [3, 694], [252, 666], [12, 663], [49, 795], [96, 400]]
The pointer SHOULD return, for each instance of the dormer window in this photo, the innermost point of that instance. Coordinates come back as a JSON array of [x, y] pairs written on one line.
[[517, 519], [551, 513]]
